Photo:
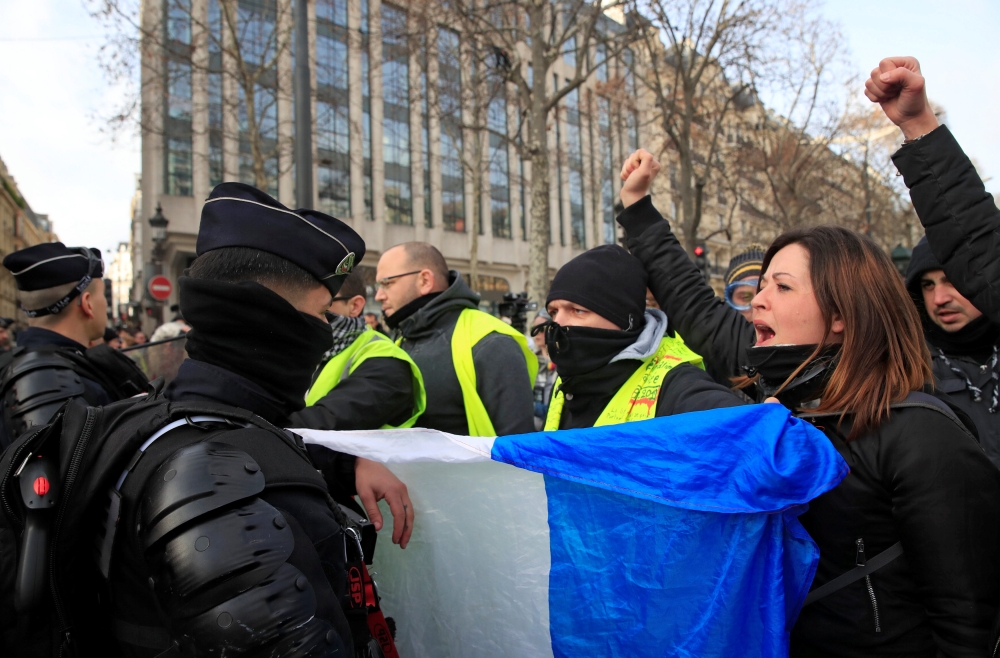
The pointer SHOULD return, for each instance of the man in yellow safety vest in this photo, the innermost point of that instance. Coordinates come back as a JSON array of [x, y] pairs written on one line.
[[364, 381], [617, 360], [478, 371]]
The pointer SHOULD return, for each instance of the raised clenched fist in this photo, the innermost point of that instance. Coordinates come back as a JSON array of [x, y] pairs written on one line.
[[637, 175], [898, 87]]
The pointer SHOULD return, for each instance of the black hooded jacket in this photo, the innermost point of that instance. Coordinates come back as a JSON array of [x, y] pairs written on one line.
[[970, 353], [919, 479]]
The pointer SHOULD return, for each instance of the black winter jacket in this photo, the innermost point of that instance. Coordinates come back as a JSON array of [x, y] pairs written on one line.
[[379, 392], [961, 218], [501, 371], [920, 479]]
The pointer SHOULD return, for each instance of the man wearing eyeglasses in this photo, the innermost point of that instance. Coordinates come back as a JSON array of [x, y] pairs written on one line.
[[61, 291], [478, 371]]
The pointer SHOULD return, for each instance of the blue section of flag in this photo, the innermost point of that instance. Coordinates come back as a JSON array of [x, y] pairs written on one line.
[[754, 458], [678, 535]]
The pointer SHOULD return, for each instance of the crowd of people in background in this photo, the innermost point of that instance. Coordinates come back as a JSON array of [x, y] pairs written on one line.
[[901, 375]]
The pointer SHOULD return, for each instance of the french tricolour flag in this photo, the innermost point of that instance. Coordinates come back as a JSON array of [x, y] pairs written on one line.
[[674, 536]]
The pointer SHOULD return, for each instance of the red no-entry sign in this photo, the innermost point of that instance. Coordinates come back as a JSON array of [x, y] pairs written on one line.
[[160, 288]]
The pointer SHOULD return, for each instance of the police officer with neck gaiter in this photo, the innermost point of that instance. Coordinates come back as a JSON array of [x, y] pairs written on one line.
[[617, 360]]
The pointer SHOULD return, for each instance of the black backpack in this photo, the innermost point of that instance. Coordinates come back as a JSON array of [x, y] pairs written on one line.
[[53, 596]]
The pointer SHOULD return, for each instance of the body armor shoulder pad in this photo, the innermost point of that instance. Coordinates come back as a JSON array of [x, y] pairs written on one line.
[[35, 386], [218, 558], [196, 480]]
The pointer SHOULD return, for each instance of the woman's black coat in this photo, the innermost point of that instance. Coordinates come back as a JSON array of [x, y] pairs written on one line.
[[920, 479]]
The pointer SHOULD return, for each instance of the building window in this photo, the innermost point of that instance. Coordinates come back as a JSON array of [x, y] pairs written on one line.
[[396, 116], [425, 143], [179, 166], [450, 99], [499, 167], [333, 143], [179, 90], [179, 21], [366, 112], [606, 169], [574, 153]]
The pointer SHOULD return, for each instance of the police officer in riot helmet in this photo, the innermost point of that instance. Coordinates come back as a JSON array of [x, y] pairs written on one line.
[[258, 567], [61, 291]]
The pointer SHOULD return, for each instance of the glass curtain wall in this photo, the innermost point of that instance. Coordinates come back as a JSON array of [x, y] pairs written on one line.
[[366, 110], [257, 29], [607, 202]]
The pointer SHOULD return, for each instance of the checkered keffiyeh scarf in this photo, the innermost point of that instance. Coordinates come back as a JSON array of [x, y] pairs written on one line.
[[345, 331]]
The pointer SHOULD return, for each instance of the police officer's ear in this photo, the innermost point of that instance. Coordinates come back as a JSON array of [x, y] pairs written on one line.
[[87, 298]]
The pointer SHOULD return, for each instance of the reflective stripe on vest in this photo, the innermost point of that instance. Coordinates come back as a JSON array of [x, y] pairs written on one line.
[[370, 344], [637, 398], [473, 325]]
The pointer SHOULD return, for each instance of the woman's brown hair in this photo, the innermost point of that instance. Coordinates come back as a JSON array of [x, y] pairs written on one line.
[[884, 355]]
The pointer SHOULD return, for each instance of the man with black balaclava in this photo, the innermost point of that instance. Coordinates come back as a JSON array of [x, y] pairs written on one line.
[[61, 291], [617, 360], [963, 344], [478, 371], [229, 540]]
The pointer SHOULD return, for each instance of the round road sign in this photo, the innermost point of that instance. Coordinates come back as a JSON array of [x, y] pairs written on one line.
[[160, 288]]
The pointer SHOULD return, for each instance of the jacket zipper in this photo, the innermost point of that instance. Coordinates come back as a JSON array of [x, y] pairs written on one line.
[[71, 473], [996, 647], [860, 561]]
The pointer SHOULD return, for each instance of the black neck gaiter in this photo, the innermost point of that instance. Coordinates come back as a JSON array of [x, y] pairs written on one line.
[[581, 350], [975, 339], [776, 363], [252, 331], [393, 321]]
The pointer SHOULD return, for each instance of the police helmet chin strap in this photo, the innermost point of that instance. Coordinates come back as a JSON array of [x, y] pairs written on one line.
[[94, 267]]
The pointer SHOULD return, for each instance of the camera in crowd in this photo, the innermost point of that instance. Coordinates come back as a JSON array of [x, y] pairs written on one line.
[[515, 306]]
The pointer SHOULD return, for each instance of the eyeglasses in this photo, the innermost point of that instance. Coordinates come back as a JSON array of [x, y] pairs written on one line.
[[734, 286], [383, 284]]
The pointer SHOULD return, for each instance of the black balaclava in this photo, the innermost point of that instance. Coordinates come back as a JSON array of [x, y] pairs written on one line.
[[775, 364], [249, 330], [581, 350]]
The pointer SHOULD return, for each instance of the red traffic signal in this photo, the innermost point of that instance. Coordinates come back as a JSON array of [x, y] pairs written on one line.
[[699, 251]]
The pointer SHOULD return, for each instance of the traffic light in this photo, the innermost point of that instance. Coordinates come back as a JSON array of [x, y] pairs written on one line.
[[701, 259]]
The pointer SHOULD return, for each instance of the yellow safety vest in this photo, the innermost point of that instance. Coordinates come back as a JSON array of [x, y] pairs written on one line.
[[370, 344], [637, 398], [473, 325]]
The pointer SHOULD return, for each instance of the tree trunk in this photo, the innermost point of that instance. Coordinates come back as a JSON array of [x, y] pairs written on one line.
[[538, 247]]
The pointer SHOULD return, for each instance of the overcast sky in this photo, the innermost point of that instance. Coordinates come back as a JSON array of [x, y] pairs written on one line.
[[51, 87]]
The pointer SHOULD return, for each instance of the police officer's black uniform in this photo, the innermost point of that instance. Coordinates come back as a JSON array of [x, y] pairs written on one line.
[[228, 541], [47, 368]]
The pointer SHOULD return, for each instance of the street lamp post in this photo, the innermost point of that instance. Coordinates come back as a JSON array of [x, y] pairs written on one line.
[[158, 223]]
